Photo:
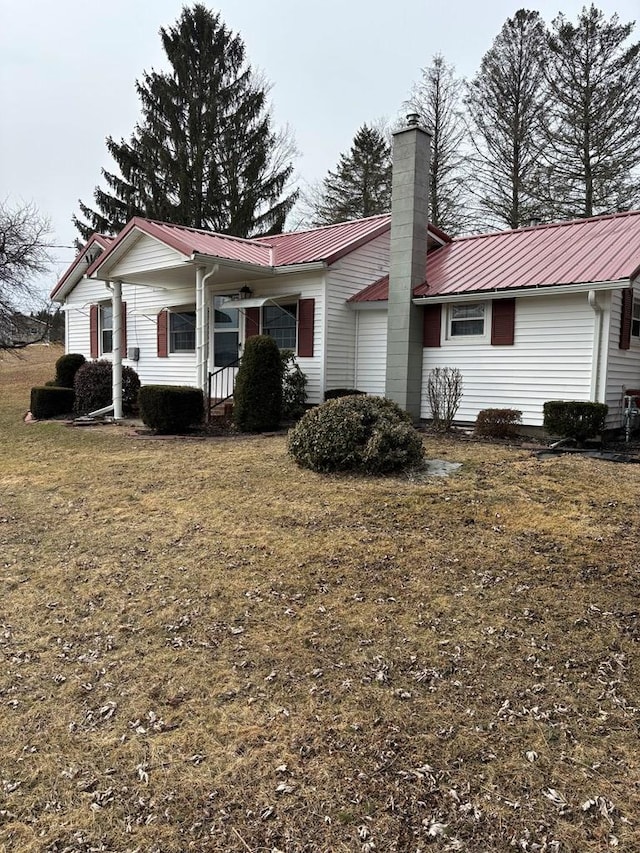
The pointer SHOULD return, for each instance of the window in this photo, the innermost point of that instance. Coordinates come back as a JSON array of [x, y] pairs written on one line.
[[635, 319], [466, 320], [226, 330], [106, 328], [182, 331], [279, 321]]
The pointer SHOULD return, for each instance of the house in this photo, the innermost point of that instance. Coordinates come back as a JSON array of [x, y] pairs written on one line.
[[18, 330], [530, 315]]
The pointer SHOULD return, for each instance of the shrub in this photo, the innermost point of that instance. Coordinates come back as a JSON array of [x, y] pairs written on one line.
[[334, 393], [93, 385], [444, 390], [50, 401], [294, 387], [171, 408], [574, 418], [356, 433], [498, 423], [66, 368], [257, 397]]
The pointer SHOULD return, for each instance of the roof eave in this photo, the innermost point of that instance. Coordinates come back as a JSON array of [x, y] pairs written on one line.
[[509, 293]]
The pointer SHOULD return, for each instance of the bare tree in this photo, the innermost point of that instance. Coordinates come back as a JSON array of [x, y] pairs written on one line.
[[437, 98], [592, 119], [24, 255], [504, 102]]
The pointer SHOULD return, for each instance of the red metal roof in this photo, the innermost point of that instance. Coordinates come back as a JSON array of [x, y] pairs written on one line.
[[581, 251], [297, 247]]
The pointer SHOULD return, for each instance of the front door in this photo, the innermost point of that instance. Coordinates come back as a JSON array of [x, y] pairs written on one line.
[[226, 348]]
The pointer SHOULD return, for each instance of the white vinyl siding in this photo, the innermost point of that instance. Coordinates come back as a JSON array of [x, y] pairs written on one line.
[[147, 253], [549, 360], [345, 278], [371, 351]]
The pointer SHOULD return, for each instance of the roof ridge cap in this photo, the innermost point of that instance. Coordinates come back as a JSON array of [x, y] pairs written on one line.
[[580, 220], [326, 227], [207, 232]]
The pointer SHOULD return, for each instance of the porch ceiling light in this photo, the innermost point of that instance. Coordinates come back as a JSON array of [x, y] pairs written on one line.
[[245, 292]]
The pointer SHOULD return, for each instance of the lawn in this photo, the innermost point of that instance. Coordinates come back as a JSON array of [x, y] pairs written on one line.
[[206, 648]]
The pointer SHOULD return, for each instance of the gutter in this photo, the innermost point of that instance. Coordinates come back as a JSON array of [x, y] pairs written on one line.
[[537, 290]]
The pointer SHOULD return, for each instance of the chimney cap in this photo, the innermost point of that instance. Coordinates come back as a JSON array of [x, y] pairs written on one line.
[[413, 119]]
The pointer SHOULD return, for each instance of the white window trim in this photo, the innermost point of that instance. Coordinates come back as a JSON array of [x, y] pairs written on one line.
[[458, 340], [635, 306], [173, 312], [102, 328]]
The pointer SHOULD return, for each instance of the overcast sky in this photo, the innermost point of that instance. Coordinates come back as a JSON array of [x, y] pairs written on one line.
[[68, 67]]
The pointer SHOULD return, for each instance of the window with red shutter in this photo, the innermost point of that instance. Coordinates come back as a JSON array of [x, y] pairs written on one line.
[[93, 331], [503, 322], [306, 319], [625, 319], [432, 325]]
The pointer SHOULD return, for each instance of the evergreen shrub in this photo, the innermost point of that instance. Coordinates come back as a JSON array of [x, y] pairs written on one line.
[[171, 408], [49, 401], [574, 418], [334, 393], [294, 387], [93, 384], [498, 423], [66, 368], [370, 435], [257, 397]]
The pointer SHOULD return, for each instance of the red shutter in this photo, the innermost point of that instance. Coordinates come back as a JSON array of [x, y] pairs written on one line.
[[503, 322], [251, 322], [306, 317], [93, 331], [163, 334], [625, 319], [123, 331], [432, 323]]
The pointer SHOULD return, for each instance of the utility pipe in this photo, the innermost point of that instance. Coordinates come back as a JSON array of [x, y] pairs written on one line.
[[116, 307]]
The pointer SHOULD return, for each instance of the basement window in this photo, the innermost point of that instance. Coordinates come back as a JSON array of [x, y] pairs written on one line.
[[467, 320]]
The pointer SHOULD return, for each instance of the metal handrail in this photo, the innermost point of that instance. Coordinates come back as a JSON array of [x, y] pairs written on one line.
[[221, 384]]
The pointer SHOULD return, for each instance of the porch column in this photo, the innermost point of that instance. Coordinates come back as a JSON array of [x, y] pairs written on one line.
[[201, 331], [116, 307]]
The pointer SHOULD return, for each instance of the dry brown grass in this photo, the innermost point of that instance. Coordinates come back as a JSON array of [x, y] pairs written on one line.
[[206, 648]]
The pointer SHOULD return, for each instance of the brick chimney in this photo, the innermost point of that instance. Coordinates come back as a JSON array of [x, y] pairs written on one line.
[[409, 221]]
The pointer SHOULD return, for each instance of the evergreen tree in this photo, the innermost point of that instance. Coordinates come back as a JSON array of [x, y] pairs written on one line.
[[204, 153], [504, 100], [437, 100], [592, 122], [361, 183]]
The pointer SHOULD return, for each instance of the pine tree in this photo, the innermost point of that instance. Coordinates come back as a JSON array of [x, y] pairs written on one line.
[[204, 153], [592, 120], [504, 100], [361, 183], [437, 100]]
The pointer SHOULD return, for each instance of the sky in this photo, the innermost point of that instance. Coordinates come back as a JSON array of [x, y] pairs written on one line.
[[68, 70]]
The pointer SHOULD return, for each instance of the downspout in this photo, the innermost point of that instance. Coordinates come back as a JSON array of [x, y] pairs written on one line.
[[597, 345], [202, 332]]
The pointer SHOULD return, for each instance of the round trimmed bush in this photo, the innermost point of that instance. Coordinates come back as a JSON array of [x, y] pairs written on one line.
[[371, 435], [93, 385], [171, 408], [257, 396], [49, 401], [66, 368]]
